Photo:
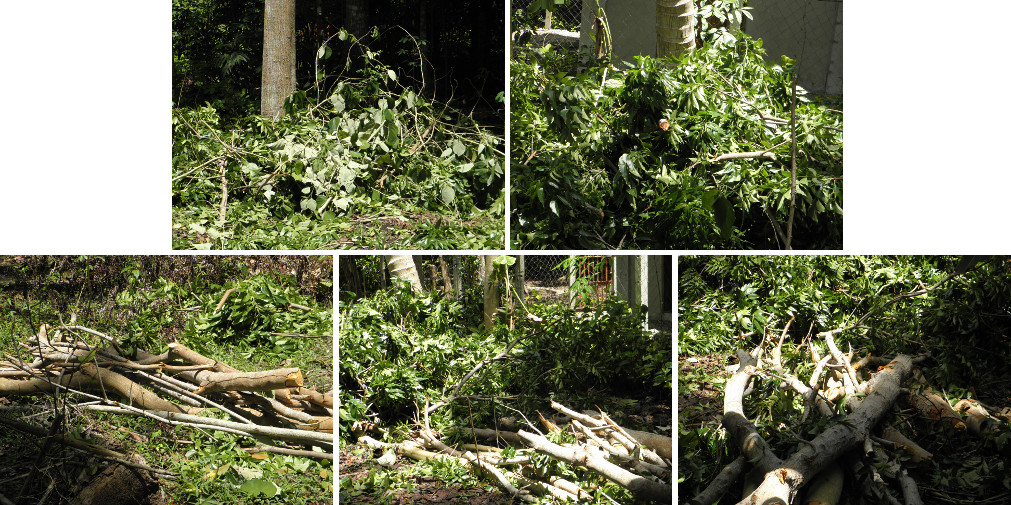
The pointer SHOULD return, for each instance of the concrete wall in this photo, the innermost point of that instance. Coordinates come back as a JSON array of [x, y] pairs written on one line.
[[633, 27], [640, 281], [806, 30]]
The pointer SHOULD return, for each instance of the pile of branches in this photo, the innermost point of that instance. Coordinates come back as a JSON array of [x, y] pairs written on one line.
[[173, 387], [635, 460], [854, 399]]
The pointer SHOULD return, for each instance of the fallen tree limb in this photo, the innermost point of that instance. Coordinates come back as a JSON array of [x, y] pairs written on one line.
[[239, 428], [267, 380], [416, 453], [784, 478], [619, 434], [639, 486], [136, 394], [509, 437], [719, 485], [291, 452]]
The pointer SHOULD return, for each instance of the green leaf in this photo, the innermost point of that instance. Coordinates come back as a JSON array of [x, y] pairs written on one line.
[[709, 197], [504, 260], [724, 214], [254, 487], [459, 148], [392, 74], [447, 194]]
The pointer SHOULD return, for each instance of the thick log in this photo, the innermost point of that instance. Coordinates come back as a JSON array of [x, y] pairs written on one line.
[[780, 485], [37, 385], [268, 380], [137, 395]]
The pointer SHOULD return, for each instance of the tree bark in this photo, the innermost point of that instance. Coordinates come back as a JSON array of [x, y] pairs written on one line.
[[784, 478], [491, 293], [137, 395], [278, 75], [268, 380], [356, 17], [403, 267], [675, 27]]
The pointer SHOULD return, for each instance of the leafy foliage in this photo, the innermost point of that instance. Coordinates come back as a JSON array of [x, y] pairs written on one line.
[[605, 348], [372, 146], [399, 349], [625, 158]]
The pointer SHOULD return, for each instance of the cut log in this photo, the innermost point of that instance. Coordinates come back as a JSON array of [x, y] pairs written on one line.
[[180, 351], [321, 424], [37, 385], [932, 406], [781, 483], [268, 380], [977, 418], [918, 454], [137, 395]]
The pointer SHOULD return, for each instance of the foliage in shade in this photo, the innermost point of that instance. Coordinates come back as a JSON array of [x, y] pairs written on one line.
[[217, 48], [370, 145]]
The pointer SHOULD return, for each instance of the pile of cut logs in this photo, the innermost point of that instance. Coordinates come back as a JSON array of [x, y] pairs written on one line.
[[174, 387]]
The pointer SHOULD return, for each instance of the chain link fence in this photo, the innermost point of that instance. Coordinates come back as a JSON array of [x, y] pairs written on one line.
[[544, 277], [564, 17]]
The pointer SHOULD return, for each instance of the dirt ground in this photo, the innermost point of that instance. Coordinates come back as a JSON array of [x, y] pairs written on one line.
[[703, 401], [429, 490]]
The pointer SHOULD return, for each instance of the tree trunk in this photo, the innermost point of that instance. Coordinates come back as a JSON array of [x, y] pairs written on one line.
[[356, 17], [491, 295], [278, 77], [425, 34], [675, 27], [519, 280], [402, 266], [457, 277]]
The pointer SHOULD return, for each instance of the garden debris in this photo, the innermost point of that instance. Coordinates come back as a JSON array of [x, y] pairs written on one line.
[[626, 457], [103, 373]]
